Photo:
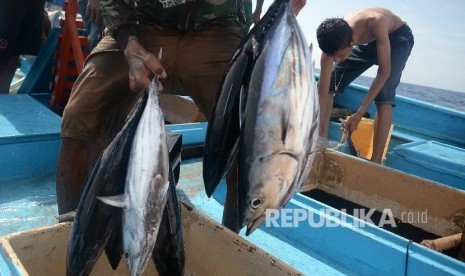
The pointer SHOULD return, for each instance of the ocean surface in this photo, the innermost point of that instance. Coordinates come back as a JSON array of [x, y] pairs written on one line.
[[442, 97], [451, 99]]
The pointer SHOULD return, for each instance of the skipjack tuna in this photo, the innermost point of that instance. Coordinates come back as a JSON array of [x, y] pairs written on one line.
[[146, 189], [271, 90], [96, 222], [279, 123]]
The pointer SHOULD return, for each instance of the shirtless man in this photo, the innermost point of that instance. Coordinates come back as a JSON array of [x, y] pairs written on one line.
[[350, 46]]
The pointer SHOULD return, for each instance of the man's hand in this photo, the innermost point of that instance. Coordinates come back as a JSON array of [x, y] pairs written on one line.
[[143, 66], [94, 13], [351, 124], [297, 5]]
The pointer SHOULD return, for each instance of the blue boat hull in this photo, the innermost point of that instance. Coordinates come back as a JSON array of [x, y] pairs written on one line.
[[345, 245]]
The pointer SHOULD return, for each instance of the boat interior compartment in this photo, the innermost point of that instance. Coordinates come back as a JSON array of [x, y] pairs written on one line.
[[350, 247], [375, 186], [43, 251], [330, 240]]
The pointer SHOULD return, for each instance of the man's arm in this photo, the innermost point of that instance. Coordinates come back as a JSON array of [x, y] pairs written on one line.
[[119, 17], [258, 11], [297, 5], [325, 100], [121, 21], [379, 28]]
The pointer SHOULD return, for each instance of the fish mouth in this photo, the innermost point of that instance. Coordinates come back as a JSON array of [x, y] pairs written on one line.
[[254, 224]]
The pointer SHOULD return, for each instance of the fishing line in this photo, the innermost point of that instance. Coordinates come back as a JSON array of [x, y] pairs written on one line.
[[406, 256]]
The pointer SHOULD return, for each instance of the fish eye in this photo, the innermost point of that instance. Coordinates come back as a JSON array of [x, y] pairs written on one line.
[[255, 203]]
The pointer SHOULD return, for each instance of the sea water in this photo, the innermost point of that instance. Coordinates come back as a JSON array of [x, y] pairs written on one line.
[[442, 97], [451, 99]]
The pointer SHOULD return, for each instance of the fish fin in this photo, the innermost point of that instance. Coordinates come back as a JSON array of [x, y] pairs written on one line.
[[310, 48], [232, 157], [305, 172], [116, 201], [242, 102]]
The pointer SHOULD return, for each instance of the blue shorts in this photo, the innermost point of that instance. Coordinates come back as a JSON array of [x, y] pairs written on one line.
[[364, 56], [20, 28]]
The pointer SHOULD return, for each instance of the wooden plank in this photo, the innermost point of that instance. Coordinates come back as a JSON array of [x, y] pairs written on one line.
[[210, 250], [379, 187]]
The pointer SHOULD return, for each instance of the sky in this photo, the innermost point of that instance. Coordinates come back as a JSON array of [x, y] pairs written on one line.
[[438, 56]]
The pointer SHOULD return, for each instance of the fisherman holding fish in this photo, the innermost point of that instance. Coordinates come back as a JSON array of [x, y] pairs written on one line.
[[351, 45], [197, 40]]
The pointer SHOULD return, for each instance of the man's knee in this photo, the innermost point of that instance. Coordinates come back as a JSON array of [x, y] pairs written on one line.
[[73, 154], [72, 173]]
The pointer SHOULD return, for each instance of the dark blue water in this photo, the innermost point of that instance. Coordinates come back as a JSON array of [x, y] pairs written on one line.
[[450, 99]]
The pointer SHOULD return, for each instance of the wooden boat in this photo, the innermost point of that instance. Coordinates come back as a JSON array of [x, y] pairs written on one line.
[[421, 186], [43, 251], [427, 140], [29, 144]]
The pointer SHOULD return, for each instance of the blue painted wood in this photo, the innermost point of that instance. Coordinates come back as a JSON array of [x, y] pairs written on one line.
[[432, 160], [32, 138], [345, 244], [6, 266], [193, 134], [39, 76], [346, 248], [29, 137]]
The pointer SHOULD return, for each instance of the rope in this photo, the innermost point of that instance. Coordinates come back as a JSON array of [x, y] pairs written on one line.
[[406, 256]]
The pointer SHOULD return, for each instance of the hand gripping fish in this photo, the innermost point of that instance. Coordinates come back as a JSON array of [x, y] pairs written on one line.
[[346, 145], [147, 183]]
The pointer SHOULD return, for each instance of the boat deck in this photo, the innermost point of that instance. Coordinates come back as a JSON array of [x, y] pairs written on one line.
[[349, 246], [29, 137]]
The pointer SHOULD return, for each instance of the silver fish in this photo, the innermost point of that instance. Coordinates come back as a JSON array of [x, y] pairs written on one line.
[[347, 145], [168, 254], [94, 221], [223, 132], [279, 121], [147, 183]]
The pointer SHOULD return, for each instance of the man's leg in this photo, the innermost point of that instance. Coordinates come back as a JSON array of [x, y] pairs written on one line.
[[326, 108], [204, 62], [7, 72], [400, 53], [72, 173], [91, 117], [383, 121]]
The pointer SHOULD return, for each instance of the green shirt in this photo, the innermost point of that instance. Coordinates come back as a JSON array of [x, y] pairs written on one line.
[[122, 16]]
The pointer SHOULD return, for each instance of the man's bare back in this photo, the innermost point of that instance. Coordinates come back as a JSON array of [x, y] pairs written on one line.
[[363, 21]]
